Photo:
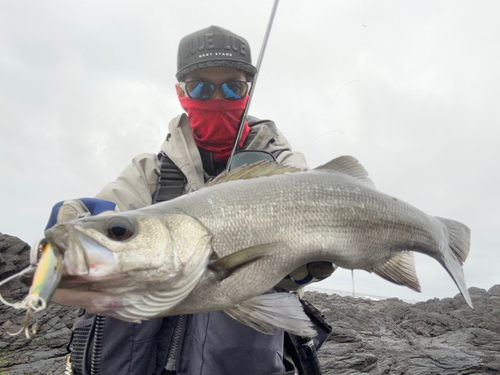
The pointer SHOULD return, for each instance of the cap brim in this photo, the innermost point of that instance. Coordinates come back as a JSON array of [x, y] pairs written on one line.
[[247, 68]]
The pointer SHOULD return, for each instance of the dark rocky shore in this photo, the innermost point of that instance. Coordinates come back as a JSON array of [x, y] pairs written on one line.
[[369, 337], [393, 337]]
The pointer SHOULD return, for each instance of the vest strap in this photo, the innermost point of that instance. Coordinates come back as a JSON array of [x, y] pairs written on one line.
[[172, 180]]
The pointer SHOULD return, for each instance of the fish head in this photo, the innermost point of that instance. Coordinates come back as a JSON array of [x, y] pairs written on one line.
[[131, 250]]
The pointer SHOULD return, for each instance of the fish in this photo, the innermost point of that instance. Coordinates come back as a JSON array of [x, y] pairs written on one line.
[[225, 246]]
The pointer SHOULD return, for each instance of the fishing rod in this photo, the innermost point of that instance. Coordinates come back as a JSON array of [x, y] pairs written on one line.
[[302, 349], [259, 62]]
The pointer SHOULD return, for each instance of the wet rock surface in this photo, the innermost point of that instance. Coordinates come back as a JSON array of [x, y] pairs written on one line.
[[369, 337]]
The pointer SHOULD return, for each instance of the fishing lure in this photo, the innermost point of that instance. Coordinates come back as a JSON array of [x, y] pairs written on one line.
[[47, 275]]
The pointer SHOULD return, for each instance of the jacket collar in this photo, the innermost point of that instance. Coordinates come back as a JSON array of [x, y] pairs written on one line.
[[181, 148]]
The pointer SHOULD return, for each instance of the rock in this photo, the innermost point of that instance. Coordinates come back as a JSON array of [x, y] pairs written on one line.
[[388, 337], [394, 337]]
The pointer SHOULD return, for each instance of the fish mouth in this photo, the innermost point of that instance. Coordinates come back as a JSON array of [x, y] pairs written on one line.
[[84, 257]]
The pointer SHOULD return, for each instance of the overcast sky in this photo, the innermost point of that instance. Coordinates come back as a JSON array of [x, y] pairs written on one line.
[[410, 88]]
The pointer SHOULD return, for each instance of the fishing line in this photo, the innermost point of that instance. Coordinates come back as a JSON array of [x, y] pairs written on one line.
[[25, 303], [317, 137], [333, 104], [344, 85], [352, 278]]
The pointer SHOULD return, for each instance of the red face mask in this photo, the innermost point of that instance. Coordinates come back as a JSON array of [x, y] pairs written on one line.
[[214, 124]]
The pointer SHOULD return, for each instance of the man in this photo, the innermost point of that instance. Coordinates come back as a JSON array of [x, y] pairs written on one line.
[[215, 74]]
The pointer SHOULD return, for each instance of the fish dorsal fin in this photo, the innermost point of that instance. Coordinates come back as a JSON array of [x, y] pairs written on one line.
[[348, 165], [260, 169], [400, 269]]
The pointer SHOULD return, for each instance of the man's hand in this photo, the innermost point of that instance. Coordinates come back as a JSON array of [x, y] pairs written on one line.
[[306, 274], [72, 209]]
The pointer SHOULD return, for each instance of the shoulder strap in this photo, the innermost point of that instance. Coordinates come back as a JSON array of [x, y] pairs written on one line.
[[172, 180]]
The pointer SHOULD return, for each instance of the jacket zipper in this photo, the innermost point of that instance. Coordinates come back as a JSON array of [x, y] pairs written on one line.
[[174, 347], [96, 356]]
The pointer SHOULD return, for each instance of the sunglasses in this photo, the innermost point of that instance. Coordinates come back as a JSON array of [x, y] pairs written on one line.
[[204, 90]]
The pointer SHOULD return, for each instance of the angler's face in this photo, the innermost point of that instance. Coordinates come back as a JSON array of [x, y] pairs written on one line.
[[216, 75]]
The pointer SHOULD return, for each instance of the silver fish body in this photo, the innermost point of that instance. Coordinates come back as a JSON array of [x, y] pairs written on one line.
[[223, 246]]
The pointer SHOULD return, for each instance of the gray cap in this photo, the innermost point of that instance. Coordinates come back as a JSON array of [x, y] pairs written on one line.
[[212, 47]]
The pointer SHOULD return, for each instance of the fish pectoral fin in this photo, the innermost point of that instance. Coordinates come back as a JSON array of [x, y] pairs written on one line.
[[347, 165], [400, 269], [225, 266], [268, 311]]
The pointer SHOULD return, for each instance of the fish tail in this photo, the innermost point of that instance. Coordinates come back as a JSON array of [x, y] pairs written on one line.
[[455, 252]]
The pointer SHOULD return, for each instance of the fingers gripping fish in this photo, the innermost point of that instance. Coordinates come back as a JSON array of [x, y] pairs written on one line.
[[222, 247]]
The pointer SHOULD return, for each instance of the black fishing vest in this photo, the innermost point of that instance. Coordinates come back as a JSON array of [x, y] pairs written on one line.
[[171, 180]]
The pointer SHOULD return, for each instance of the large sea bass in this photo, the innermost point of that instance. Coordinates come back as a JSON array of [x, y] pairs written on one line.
[[222, 247]]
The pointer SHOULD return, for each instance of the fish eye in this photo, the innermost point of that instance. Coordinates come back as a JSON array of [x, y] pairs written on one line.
[[119, 229]]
